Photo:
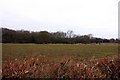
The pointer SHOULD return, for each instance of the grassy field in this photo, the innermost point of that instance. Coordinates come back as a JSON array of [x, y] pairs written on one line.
[[58, 51], [81, 61]]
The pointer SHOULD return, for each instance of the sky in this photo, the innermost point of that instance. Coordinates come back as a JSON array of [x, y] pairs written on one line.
[[97, 17]]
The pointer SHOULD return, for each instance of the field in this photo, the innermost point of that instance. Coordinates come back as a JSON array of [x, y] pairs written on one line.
[[58, 51], [60, 60]]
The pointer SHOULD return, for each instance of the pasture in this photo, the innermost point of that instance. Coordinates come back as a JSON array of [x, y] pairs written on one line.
[[59, 51]]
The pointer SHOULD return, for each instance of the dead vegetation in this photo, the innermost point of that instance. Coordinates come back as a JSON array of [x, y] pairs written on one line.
[[42, 67]]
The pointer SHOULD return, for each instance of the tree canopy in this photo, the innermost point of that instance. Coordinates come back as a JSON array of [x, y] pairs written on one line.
[[45, 37]]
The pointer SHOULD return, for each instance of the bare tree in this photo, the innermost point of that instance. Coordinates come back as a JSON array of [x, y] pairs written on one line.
[[70, 33]]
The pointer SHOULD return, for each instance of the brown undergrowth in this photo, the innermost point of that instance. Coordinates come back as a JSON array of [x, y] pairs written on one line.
[[42, 67]]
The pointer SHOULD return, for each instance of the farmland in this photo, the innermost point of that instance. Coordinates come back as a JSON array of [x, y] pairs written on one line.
[[60, 60], [58, 51]]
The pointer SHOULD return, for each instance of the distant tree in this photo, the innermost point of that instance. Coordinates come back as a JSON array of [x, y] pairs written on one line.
[[112, 40], [90, 36], [69, 33], [59, 35], [99, 40], [106, 41], [8, 36], [44, 37]]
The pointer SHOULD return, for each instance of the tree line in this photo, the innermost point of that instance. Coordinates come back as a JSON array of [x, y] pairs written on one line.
[[45, 37]]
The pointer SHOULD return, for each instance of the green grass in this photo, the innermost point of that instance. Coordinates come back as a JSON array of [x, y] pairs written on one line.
[[58, 51]]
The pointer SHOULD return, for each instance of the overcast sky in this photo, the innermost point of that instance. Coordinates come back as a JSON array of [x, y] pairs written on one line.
[[98, 17]]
